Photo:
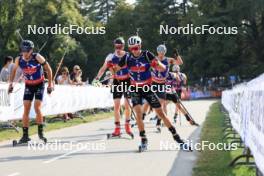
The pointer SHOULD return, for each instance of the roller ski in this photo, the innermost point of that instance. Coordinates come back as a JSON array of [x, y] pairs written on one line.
[[24, 140], [143, 145]]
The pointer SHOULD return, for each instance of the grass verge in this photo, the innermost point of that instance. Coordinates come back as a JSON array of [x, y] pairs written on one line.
[[215, 162], [7, 134]]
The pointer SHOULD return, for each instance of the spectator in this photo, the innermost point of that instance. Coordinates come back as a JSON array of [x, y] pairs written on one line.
[[64, 78], [77, 80], [4, 75], [19, 73], [76, 68]]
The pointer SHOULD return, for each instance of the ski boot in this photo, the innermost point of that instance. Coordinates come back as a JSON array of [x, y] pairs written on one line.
[[143, 145], [175, 117], [116, 133], [40, 133], [183, 146], [143, 116], [128, 129], [24, 140], [158, 125], [154, 118]]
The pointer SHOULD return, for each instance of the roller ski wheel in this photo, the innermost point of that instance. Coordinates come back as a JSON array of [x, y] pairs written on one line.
[[44, 140], [111, 136], [15, 143], [131, 135], [143, 146]]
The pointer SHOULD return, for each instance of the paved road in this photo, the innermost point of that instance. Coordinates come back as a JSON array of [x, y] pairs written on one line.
[[92, 154]]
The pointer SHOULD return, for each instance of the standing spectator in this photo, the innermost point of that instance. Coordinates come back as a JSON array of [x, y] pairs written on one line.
[[64, 79], [4, 75]]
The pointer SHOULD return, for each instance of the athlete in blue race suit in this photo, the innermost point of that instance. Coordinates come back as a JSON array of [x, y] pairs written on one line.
[[32, 65]]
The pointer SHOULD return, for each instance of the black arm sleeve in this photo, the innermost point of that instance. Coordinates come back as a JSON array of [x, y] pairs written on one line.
[[150, 55], [122, 61]]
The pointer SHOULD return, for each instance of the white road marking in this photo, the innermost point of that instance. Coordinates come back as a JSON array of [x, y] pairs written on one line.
[[67, 154], [14, 174]]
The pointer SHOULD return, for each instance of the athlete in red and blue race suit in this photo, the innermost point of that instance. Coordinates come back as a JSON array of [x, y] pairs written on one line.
[[32, 65], [139, 64], [160, 77], [173, 80], [120, 78]]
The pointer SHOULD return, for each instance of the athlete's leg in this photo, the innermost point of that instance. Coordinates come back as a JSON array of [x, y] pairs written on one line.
[[138, 111], [127, 109], [127, 116], [145, 109], [117, 116], [163, 106], [137, 107], [27, 106], [39, 118], [27, 99], [37, 107]]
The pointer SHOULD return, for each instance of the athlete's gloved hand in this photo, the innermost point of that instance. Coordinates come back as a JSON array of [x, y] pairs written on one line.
[[10, 88], [154, 63], [96, 82], [50, 89], [175, 53], [109, 64]]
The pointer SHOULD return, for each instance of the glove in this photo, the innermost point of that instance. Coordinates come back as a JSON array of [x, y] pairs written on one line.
[[50, 89], [96, 83], [175, 53], [109, 64], [10, 88], [154, 63]]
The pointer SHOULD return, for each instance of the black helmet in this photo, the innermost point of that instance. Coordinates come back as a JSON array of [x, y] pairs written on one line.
[[119, 40], [26, 45]]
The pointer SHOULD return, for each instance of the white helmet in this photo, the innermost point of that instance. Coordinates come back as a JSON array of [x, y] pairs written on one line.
[[134, 40], [176, 68], [162, 49]]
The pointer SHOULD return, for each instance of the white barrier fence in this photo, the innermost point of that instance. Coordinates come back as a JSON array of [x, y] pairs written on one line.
[[64, 99], [245, 104]]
